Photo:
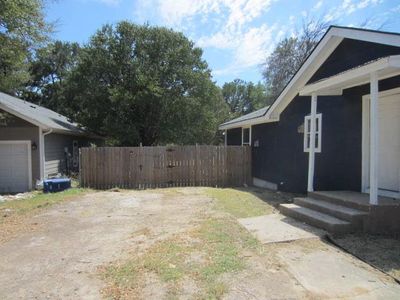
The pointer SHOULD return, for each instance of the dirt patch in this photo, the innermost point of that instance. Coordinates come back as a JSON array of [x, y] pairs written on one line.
[[158, 244], [17, 211], [61, 258], [380, 251]]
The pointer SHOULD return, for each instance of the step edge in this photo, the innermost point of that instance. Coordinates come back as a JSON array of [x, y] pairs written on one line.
[[341, 221], [350, 211]]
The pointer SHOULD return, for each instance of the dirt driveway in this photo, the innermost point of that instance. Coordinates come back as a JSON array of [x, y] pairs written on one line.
[[164, 244]]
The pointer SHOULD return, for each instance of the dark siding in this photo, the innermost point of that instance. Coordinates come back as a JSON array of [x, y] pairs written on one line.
[[351, 53], [280, 157], [234, 137]]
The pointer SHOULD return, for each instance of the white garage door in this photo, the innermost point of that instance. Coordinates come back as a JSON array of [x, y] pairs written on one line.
[[15, 166]]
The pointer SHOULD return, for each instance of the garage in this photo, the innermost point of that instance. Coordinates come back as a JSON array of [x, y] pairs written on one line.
[[15, 166]]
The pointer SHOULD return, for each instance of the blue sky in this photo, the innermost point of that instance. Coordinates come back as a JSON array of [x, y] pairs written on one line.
[[236, 35]]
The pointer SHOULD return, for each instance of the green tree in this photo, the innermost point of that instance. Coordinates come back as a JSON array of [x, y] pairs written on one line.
[[289, 55], [141, 84], [243, 97], [49, 69], [22, 29]]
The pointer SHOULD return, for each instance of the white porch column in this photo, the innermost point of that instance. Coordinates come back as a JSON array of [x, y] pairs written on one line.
[[311, 153], [374, 141]]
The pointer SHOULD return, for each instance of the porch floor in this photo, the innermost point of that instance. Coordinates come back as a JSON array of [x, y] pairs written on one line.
[[359, 199]]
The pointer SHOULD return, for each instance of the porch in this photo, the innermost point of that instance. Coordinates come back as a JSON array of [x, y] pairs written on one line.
[[380, 128], [375, 207], [340, 212]]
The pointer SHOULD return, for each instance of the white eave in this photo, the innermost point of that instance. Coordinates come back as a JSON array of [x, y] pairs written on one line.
[[384, 68], [333, 37]]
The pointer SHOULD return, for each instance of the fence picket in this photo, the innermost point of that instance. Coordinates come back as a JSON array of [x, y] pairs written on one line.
[[153, 167]]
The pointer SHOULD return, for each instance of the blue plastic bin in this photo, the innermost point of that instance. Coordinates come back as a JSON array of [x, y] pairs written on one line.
[[56, 185]]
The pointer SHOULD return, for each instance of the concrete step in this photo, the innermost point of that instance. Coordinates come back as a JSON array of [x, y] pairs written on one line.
[[340, 199], [317, 219], [352, 215]]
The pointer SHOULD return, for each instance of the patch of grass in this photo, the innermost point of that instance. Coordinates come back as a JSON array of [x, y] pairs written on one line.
[[219, 242], [241, 204], [40, 200]]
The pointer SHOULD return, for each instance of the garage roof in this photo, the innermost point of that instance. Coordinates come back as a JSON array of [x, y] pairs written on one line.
[[39, 115]]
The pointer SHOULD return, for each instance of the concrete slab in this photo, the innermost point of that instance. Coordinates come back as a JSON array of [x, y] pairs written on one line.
[[330, 273], [275, 228]]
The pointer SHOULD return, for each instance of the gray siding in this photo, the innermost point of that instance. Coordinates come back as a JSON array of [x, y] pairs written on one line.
[[17, 129], [55, 158]]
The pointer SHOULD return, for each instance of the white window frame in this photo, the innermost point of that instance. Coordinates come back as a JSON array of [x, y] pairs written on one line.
[[249, 141], [318, 133]]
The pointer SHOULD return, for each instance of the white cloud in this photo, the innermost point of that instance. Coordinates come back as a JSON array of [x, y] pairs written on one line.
[[318, 5], [237, 12], [232, 19], [348, 7]]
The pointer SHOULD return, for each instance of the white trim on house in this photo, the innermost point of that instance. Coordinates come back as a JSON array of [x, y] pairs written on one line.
[[318, 133], [332, 38], [365, 165], [248, 143], [42, 157], [311, 152], [29, 147], [383, 68], [41, 154], [225, 137]]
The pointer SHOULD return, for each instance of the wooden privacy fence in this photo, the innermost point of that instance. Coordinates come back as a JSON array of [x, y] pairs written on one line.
[[151, 167]]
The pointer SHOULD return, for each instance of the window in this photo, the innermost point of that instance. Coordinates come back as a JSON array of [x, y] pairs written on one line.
[[246, 136], [307, 133]]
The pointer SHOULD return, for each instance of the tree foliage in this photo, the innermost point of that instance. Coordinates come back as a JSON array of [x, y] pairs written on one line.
[[22, 29], [142, 84], [289, 55], [243, 97], [49, 70]]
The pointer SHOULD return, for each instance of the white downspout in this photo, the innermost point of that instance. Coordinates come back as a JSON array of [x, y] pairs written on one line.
[[311, 153], [42, 151], [226, 137]]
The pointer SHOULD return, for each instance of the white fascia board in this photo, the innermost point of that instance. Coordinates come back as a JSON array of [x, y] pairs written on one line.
[[386, 67], [22, 116], [248, 123], [325, 48], [368, 36]]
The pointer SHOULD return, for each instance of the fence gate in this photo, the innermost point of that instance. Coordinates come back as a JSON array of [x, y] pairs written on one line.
[[151, 167]]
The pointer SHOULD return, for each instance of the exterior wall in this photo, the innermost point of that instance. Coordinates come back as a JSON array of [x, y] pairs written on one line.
[[18, 129], [55, 157], [280, 157], [351, 53], [234, 137]]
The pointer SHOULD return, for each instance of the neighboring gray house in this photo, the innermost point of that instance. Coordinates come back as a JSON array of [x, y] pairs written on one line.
[[36, 143]]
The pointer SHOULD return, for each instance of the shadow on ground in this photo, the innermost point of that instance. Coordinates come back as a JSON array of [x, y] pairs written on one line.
[[379, 251]]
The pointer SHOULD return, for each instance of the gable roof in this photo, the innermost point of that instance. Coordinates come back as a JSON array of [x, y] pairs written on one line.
[[39, 115], [328, 43]]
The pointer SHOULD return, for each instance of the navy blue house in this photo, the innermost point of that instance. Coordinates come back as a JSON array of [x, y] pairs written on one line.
[[336, 125]]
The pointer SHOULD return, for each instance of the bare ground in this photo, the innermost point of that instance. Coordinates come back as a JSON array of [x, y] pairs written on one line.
[[61, 258], [74, 244]]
